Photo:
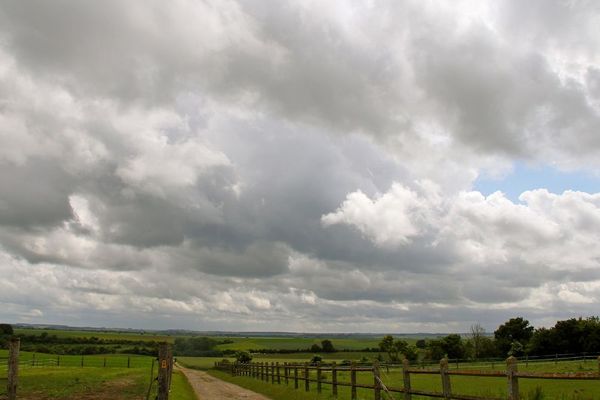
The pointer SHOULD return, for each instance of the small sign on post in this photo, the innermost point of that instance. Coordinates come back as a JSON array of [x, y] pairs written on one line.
[[165, 356]]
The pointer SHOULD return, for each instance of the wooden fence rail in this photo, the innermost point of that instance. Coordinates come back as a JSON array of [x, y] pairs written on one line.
[[301, 372]]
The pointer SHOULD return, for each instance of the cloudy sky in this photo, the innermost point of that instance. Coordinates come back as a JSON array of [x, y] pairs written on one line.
[[341, 166]]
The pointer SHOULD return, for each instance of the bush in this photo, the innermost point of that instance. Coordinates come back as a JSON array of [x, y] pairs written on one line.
[[243, 357]]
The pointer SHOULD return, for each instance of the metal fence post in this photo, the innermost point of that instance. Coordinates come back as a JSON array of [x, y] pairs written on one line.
[[513, 380], [446, 387]]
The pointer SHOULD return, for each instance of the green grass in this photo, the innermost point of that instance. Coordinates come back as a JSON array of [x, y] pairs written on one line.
[[477, 386], [293, 343], [75, 382], [180, 388], [29, 359]]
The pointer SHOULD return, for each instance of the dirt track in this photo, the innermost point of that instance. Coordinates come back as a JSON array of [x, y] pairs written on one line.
[[210, 388]]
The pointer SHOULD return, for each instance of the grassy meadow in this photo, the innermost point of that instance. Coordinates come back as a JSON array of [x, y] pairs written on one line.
[[42, 379], [475, 386]]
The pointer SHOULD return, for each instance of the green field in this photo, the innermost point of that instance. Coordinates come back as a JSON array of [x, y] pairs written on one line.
[[493, 387], [41, 378], [29, 359], [293, 343], [91, 383], [107, 335]]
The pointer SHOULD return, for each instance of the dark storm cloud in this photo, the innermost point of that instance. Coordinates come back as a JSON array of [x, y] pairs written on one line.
[[226, 162]]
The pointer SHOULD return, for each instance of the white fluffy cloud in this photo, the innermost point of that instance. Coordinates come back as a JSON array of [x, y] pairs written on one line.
[[217, 164]]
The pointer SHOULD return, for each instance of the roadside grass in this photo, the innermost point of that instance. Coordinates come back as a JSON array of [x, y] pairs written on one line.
[[474, 386], [181, 388], [293, 343]]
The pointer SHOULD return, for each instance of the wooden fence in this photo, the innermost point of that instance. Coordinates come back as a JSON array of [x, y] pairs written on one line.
[[162, 380], [297, 373]]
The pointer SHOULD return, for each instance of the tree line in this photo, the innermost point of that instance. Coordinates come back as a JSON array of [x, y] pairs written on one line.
[[515, 337]]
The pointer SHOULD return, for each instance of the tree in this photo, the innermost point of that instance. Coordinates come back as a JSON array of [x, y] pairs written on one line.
[[243, 357], [477, 335], [453, 346], [327, 346], [315, 348], [394, 348], [513, 330], [6, 329], [421, 343]]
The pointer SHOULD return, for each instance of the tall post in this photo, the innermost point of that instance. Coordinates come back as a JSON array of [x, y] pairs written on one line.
[[164, 368], [334, 386], [376, 381], [13, 368], [286, 373], [319, 378], [295, 377], [353, 381], [306, 381], [406, 379], [513, 380], [128, 362], [272, 372], [278, 373], [446, 388]]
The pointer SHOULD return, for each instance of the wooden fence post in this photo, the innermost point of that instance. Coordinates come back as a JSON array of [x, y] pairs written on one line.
[[295, 377], [318, 377], [513, 380], [58, 361], [334, 387], [376, 381], [104, 364], [406, 379], [82, 361], [272, 372], [306, 381], [286, 373], [278, 373], [446, 388], [164, 370], [353, 381], [128, 362], [33, 360], [13, 368]]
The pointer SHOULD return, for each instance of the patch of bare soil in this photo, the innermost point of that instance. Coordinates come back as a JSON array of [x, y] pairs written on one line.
[[208, 387]]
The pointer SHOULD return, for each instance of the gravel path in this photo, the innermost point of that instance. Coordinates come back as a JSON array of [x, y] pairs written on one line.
[[208, 387]]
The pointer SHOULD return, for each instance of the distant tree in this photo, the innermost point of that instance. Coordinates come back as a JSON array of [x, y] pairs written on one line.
[[421, 344], [435, 350], [396, 348], [327, 346], [476, 336], [453, 346], [513, 330], [243, 357], [316, 359], [6, 329], [315, 348]]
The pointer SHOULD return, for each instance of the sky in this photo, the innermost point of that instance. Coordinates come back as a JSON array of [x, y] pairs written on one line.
[[311, 166]]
